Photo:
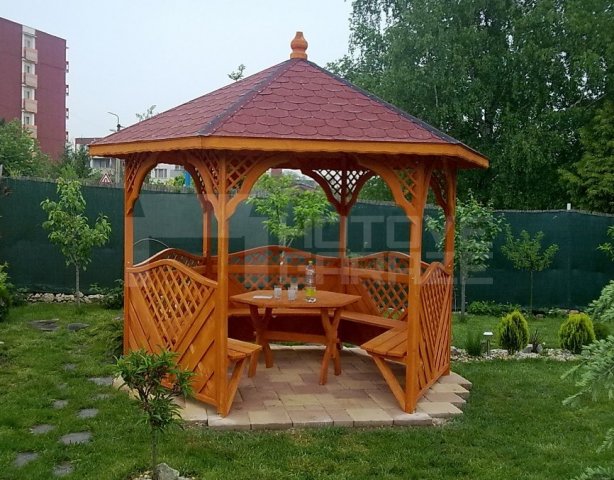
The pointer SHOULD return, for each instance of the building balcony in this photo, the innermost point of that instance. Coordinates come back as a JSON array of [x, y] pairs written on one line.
[[29, 105], [33, 130], [30, 80], [30, 54]]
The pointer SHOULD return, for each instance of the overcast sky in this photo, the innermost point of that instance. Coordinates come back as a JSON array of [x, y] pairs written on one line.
[[128, 55]]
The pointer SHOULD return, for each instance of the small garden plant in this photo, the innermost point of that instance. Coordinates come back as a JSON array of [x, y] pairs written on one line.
[[576, 332], [5, 294], [513, 332], [156, 380]]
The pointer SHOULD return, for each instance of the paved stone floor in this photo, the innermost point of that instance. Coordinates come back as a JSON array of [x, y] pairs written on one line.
[[288, 395]]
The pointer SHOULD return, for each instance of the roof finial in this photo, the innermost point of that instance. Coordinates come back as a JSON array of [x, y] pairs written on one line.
[[298, 46]]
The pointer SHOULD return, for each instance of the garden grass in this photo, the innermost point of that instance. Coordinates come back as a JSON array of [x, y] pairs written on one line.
[[514, 425]]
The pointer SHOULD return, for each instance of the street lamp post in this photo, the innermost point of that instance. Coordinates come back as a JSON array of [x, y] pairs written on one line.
[[117, 166]]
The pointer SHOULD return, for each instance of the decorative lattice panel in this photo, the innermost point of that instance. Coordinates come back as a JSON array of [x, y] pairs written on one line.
[[439, 184], [343, 184], [131, 170], [390, 298], [434, 347], [171, 307], [384, 262], [236, 171]]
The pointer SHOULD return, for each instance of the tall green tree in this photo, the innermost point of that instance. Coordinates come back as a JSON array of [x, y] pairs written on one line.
[[20, 153], [289, 210], [590, 181], [74, 163], [68, 227], [513, 79], [475, 229], [525, 253]]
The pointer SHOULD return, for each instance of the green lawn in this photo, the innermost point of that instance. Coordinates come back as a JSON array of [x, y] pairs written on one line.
[[514, 426]]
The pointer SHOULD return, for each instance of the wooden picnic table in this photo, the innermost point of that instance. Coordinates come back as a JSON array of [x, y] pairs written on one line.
[[328, 303]]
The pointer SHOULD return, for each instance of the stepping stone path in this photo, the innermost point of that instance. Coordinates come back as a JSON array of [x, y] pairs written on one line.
[[59, 404], [45, 325], [87, 413], [69, 367], [102, 396], [41, 429], [75, 327], [102, 381], [76, 438], [63, 469], [25, 458]]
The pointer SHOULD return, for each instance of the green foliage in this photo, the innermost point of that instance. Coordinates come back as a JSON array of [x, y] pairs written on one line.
[[237, 74], [376, 189], [513, 332], [576, 332], [476, 228], [535, 340], [590, 181], [144, 373], [602, 309], [73, 164], [595, 380], [526, 254], [110, 333], [289, 211], [68, 227], [113, 297], [596, 473], [20, 153], [515, 80], [491, 308], [601, 330], [473, 343], [150, 112], [5, 296], [608, 247]]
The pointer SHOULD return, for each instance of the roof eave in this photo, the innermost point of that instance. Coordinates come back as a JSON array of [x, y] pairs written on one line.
[[467, 157]]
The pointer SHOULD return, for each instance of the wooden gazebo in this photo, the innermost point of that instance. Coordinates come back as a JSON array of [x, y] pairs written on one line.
[[294, 115]]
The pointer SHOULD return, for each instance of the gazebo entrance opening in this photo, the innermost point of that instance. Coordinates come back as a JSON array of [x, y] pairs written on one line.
[[182, 301]]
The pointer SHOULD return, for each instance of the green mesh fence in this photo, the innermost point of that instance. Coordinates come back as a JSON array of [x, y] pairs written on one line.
[[575, 278]]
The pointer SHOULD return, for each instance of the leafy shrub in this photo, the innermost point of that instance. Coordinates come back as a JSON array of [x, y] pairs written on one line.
[[576, 331], [144, 373], [602, 309], [111, 335], [602, 331], [5, 295], [113, 297], [18, 296], [491, 308], [513, 332], [473, 343]]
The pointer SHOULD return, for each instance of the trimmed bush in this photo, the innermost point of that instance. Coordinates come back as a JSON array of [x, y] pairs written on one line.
[[513, 332], [576, 331], [490, 308], [5, 294]]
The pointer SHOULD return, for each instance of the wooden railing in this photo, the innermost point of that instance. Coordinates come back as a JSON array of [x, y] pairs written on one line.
[[182, 256], [435, 325], [170, 306]]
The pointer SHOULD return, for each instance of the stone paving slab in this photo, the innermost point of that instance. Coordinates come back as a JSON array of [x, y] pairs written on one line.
[[24, 458], [288, 395]]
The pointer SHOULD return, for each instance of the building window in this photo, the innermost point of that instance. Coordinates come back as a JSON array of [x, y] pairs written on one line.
[[160, 173], [28, 67], [178, 167], [28, 93], [101, 163], [28, 119]]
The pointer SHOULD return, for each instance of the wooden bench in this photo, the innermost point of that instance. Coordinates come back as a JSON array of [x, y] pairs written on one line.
[[391, 346], [238, 352], [368, 319]]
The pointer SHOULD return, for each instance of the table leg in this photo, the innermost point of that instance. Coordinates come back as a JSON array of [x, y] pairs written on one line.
[[330, 330], [260, 324]]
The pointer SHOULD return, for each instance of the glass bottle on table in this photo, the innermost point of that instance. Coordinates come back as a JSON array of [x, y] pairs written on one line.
[[310, 283]]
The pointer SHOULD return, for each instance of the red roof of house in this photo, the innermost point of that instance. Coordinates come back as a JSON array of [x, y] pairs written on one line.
[[295, 99]]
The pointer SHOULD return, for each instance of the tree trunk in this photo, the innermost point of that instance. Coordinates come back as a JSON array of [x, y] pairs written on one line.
[[77, 296], [154, 454], [463, 282], [531, 293]]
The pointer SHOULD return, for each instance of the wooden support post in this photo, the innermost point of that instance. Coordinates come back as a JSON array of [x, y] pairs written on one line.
[[128, 255], [450, 212], [221, 308]]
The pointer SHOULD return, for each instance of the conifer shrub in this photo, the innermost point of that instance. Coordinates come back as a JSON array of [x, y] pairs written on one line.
[[576, 331], [513, 332]]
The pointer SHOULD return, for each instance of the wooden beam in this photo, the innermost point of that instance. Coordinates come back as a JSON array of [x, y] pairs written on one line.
[[469, 157]]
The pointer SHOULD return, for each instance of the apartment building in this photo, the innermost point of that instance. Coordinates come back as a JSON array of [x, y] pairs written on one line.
[[33, 85]]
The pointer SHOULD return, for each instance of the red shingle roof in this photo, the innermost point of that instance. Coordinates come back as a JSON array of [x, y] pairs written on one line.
[[295, 99]]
